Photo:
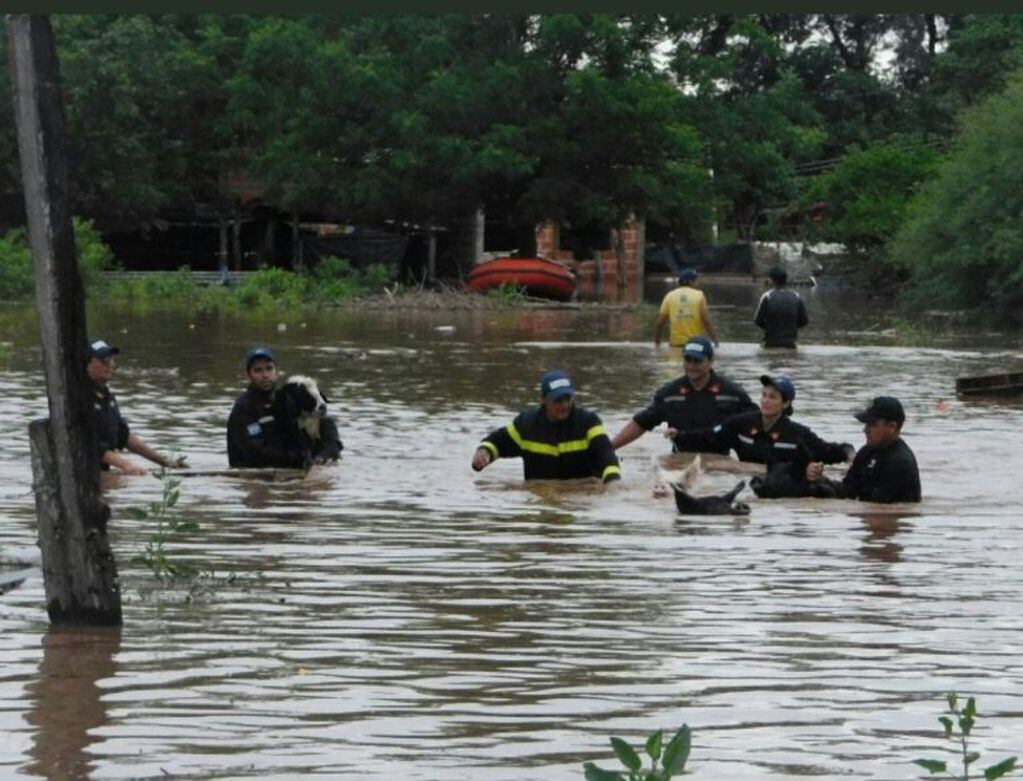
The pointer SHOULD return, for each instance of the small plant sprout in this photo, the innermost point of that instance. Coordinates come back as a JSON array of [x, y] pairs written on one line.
[[964, 718], [672, 759]]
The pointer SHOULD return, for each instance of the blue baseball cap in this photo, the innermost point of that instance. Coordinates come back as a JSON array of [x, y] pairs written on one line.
[[556, 384], [687, 275], [259, 352], [698, 347], [100, 349], [780, 383]]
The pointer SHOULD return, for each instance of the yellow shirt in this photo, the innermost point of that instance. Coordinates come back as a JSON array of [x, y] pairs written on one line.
[[683, 306]]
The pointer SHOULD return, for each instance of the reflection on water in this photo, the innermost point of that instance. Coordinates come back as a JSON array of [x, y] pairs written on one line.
[[402, 616], [65, 704]]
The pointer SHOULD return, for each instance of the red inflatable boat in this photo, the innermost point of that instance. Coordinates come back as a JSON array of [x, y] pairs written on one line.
[[539, 277]]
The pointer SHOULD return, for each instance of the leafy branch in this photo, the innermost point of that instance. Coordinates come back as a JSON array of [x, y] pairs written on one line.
[[965, 718], [672, 759]]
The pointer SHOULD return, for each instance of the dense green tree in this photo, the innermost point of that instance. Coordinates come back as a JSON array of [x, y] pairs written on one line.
[[749, 108], [963, 240], [867, 192]]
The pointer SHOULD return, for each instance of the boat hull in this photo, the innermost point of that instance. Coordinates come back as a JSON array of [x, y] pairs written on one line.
[[539, 277]]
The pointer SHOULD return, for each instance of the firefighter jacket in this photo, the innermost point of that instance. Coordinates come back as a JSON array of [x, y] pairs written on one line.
[[576, 447]]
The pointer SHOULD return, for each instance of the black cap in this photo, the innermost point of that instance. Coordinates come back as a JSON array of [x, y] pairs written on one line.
[[883, 408], [778, 274], [100, 349]]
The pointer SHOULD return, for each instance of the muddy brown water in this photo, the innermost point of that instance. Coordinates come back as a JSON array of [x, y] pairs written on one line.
[[402, 616]]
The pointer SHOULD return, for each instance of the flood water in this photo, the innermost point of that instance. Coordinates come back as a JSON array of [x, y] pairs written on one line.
[[404, 617]]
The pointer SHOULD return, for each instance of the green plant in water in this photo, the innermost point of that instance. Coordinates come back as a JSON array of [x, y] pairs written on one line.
[[672, 759], [509, 293], [155, 554], [965, 719]]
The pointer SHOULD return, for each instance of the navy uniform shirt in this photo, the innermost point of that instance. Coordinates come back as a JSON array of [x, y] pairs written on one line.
[[563, 450], [111, 428], [252, 436], [883, 474], [685, 408]]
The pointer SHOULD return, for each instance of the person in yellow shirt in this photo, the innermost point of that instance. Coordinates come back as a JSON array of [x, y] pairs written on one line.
[[685, 308]]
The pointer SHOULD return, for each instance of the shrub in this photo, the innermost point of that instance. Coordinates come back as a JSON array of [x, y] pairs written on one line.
[[17, 270]]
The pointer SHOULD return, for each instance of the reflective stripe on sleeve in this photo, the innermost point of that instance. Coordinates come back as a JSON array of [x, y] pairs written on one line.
[[610, 470], [489, 446]]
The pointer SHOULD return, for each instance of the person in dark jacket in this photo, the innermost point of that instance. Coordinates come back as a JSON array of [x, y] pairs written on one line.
[[884, 469], [769, 436], [700, 398], [557, 440], [780, 312], [112, 431], [255, 438]]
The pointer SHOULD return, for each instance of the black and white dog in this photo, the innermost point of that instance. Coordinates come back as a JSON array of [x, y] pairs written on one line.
[[300, 412], [724, 504]]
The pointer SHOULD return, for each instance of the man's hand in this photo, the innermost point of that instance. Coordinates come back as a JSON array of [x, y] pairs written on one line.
[[814, 471], [176, 463], [133, 469], [481, 458]]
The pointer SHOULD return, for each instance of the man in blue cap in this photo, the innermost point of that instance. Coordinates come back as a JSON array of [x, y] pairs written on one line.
[[254, 438], [700, 398], [112, 431], [557, 440], [685, 308]]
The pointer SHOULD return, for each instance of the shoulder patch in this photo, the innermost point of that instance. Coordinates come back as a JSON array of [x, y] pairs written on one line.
[[255, 429]]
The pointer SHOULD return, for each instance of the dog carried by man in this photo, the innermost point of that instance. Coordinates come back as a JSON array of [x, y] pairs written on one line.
[[279, 423]]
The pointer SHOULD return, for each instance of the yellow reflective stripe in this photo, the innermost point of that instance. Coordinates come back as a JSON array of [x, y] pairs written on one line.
[[570, 446], [610, 470], [491, 447]]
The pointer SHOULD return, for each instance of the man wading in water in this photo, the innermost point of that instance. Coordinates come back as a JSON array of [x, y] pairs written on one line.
[[556, 441], [780, 312]]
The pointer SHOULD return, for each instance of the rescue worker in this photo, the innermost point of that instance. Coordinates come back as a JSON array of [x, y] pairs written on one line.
[[700, 398], [556, 441], [254, 437], [780, 312], [685, 308], [884, 469], [112, 431], [769, 436]]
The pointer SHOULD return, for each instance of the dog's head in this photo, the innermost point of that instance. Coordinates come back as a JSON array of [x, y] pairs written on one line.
[[299, 398], [305, 395]]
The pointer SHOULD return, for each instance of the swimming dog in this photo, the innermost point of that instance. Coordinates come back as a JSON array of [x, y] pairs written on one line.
[[724, 504], [300, 409]]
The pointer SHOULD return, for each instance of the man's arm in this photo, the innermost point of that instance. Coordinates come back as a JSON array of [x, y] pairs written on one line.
[[602, 452], [662, 320], [801, 313], [123, 463], [136, 444], [497, 444], [760, 315], [630, 432]]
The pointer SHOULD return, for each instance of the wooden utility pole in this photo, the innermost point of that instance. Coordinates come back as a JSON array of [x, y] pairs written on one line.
[[79, 570]]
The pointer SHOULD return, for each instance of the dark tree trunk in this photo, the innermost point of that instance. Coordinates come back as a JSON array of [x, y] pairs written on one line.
[[79, 570]]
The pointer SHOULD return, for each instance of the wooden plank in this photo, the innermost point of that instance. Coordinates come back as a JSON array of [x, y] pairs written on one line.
[[268, 474], [1008, 382]]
